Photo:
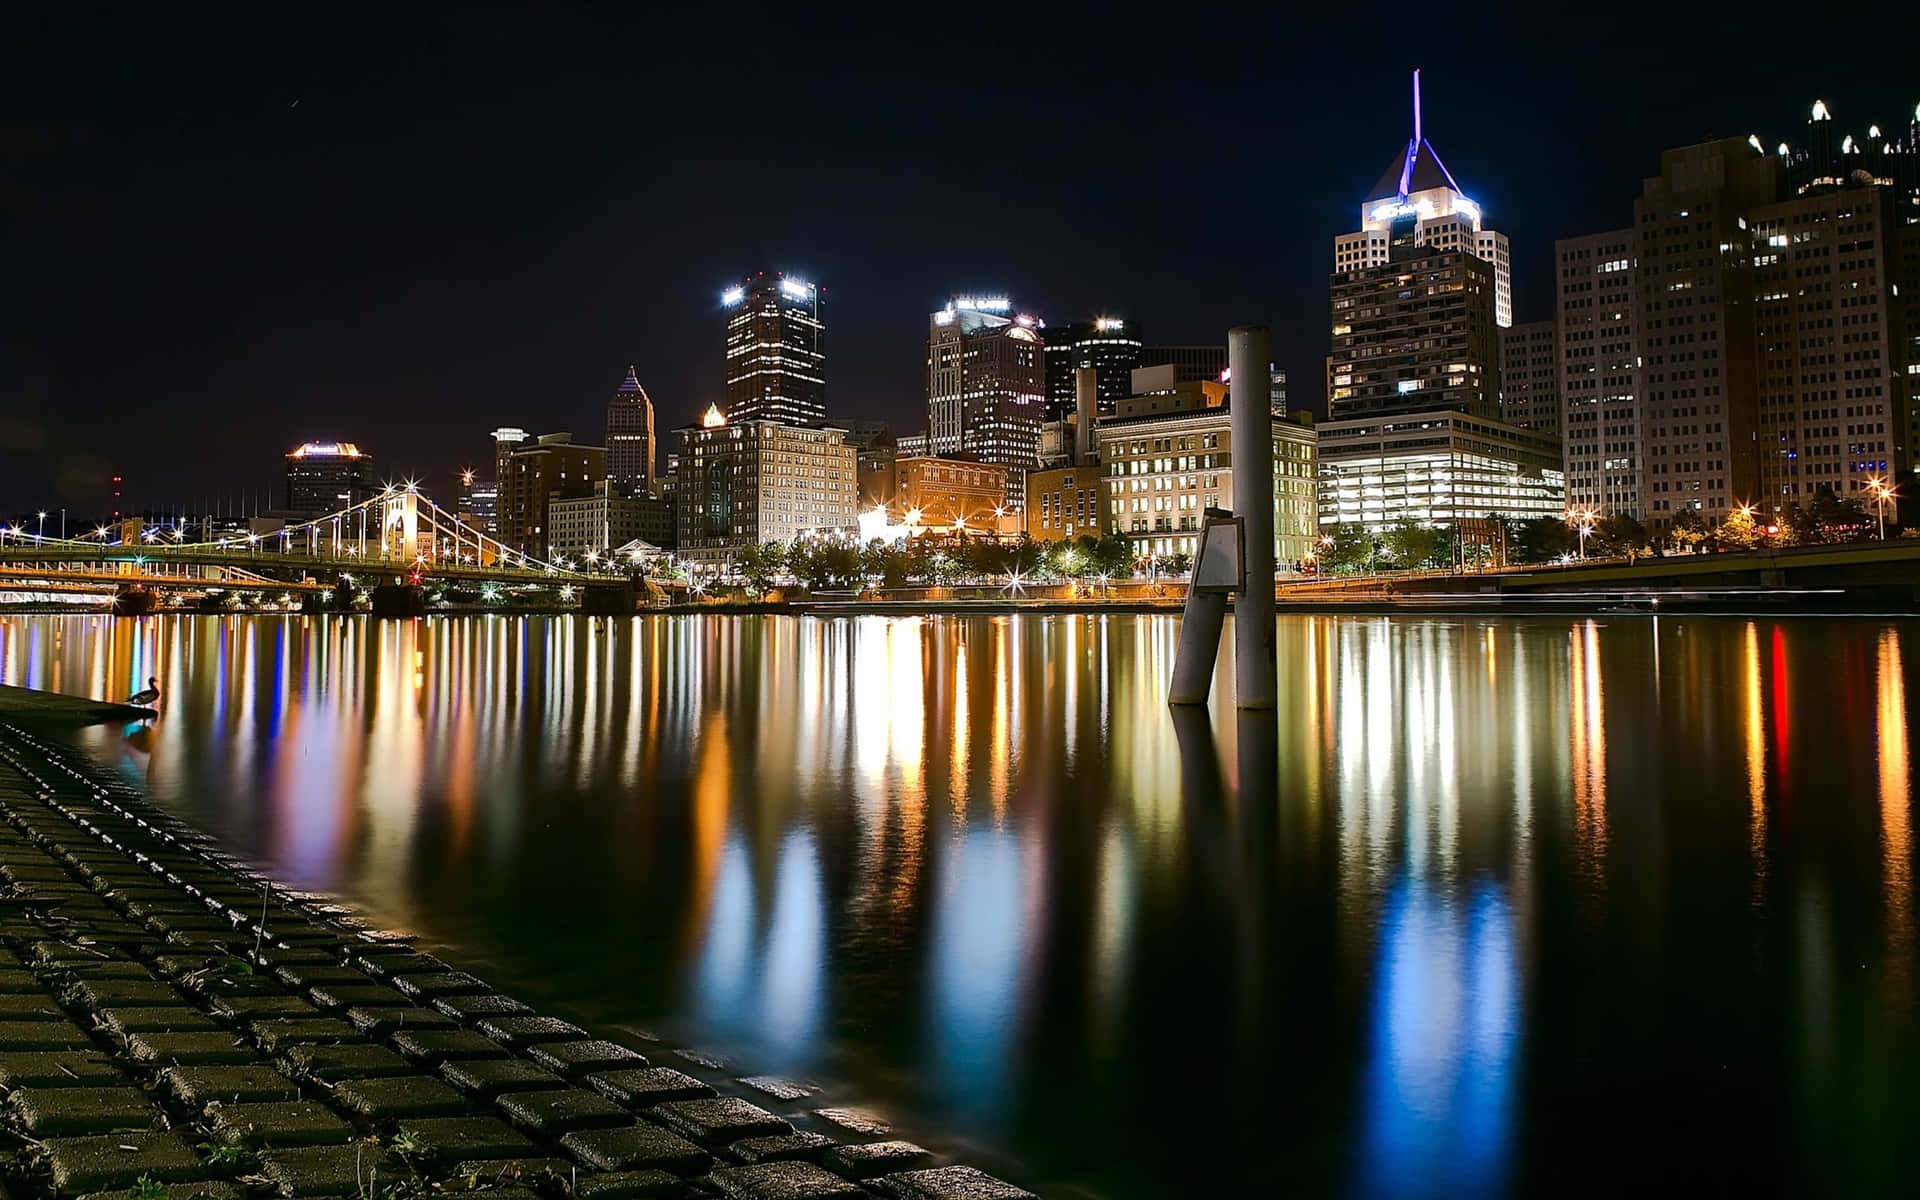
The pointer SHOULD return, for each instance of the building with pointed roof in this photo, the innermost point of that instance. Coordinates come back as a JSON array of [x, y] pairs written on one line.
[[630, 441], [1418, 201]]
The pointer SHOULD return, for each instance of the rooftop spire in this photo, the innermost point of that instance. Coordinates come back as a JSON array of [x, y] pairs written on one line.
[[632, 382]]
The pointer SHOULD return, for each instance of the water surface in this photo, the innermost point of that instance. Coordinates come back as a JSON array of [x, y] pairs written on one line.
[[1494, 905]]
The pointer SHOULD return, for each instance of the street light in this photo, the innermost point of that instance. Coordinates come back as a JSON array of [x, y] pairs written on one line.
[[1881, 492], [40, 529]]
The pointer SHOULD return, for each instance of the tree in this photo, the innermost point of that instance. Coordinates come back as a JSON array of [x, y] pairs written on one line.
[[759, 565], [1178, 563], [1113, 557], [1689, 528], [1739, 531], [1616, 535], [1411, 544], [1838, 520], [1353, 548]]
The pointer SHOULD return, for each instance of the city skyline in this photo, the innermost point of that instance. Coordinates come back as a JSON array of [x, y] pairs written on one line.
[[395, 377]]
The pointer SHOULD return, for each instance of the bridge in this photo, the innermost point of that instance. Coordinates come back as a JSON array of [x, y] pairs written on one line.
[[396, 538]]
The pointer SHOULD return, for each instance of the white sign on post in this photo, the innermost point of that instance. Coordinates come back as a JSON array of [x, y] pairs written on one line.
[[1217, 568]]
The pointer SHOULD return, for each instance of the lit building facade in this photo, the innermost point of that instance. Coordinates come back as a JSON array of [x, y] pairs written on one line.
[[986, 386], [533, 474], [1163, 466], [745, 483], [776, 351], [1063, 503], [325, 477], [1107, 344], [630, 441], [595, 524], [1601, 419], [1435, 468], [1417, 200], [940, 493]]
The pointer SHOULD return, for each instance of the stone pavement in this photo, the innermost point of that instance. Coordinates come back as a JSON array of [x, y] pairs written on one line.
[[172, 1027]]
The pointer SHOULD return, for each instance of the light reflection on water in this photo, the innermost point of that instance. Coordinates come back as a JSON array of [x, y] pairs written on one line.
[[1483, 891]]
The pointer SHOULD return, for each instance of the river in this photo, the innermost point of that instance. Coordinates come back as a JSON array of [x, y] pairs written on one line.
[[1494, 906]]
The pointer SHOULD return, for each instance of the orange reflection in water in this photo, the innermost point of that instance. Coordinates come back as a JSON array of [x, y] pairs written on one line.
[[1589, 737], [1756, 731], [1896, 799]]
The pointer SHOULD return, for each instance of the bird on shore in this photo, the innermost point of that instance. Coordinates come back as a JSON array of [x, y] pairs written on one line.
[[146, 695]]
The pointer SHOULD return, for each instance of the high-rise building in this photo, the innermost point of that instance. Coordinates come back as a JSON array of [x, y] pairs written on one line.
[[1597, 331], [986, 386], [1109, 345], [325, 477], [776, 351], [1748, 340], [1417, 200], [743, 484], [1694, 270], [630, 445], [532, 474], [1191, 364], [1530, 377], [1415, 334]]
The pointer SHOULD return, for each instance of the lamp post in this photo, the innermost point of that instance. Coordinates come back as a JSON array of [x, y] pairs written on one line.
[[1881, 493]]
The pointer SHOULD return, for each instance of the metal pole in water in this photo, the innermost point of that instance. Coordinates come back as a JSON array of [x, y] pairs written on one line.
[[1250, 420]]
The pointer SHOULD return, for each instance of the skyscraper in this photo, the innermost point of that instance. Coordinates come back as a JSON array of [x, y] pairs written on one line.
[[1415, 334], [1746, 342], [1417, 199], [325, 477], [986, 385], [1109, 345], [630, 448], [776, 351], [1601, 417]]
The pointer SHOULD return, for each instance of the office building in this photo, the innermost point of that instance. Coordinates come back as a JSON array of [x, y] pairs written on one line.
[[1109, 345], [1530, 377], [630, 441], [1191, 364], [938, 493], [1167, 456], [326, 477], [1597, 330], [593, 524], [776, 351], [744, 483], [1417, 201], [1435, 468], [986, 386], [533, 473], [1414, 334]]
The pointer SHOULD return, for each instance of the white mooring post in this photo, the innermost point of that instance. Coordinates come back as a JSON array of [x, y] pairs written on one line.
[[1236, 550]]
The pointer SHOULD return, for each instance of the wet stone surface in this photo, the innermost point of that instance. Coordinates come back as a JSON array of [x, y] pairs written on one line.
[[351, 1064]]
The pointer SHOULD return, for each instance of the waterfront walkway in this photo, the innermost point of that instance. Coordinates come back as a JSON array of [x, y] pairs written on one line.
[[172, 1027]]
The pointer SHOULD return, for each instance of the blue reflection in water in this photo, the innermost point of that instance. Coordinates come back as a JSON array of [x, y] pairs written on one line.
[[1437, 1090], [977, 970], [763, 979]]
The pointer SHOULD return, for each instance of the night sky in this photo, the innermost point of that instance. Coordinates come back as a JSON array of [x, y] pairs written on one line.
[[223, 236]]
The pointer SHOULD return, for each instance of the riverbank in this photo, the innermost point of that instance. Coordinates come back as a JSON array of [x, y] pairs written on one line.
[[27, 704], [173, 1025]]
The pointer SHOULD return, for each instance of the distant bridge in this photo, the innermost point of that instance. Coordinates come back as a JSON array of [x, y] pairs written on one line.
[[398, 536]]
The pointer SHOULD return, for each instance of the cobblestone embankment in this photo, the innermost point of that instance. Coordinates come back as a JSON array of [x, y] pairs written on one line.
[[173, 1028]]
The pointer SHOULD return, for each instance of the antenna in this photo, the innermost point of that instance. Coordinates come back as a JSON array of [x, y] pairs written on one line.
[[1416, 106]]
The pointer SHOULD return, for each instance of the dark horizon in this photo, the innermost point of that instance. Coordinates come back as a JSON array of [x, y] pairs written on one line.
[[406, 230]]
